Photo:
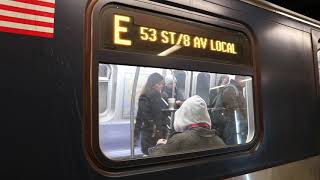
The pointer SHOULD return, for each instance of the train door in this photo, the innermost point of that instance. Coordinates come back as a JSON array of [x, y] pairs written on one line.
[[145, 67], [316, 52]]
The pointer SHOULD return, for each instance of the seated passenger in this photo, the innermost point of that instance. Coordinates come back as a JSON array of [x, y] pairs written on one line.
[[171, 87], [193, 125]]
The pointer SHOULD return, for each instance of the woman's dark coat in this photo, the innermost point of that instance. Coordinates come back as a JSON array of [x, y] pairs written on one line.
[[150, 123]]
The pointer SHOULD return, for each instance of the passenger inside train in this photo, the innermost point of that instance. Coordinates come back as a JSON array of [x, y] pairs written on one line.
[[150, 120], [194, 131], [224, 79], [137, 111], [229, 108], [171, 91]]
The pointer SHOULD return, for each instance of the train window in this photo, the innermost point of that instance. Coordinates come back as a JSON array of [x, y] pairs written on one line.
[[154, 117], [165, 87]]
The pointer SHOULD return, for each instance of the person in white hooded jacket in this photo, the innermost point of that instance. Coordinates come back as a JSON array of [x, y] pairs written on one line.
[[193, 126]]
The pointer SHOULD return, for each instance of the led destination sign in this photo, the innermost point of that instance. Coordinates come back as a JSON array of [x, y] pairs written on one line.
[[129, 30], [169, 37]]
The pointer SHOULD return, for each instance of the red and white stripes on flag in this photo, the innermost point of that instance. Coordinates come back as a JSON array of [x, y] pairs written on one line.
[[28, 17]]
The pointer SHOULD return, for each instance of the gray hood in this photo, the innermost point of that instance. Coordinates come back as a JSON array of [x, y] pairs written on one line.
[[192, 111]]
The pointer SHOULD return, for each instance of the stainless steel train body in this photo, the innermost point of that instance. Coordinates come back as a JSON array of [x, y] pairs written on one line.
[[52, 115]]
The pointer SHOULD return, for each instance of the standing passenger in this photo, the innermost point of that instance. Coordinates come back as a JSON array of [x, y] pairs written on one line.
[[193, 124], [149, 120], [215, 95], [224, 80], [230, 115], [171, 91], [171, 87]]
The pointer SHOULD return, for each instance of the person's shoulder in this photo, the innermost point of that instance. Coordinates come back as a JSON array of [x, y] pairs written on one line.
[[230, 89], [211, 135], [215, 139], [177, 135], [188, 135], [180, 137], [144, 97], [202, 131]]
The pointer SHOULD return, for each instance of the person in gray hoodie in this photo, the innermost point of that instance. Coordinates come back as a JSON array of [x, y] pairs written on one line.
[[194, 133]]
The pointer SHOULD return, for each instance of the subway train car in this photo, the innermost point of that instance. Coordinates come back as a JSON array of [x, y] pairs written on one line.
[[92, 89]]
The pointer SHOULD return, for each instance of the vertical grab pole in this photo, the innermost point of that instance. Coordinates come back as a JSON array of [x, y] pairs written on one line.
[[173, 89], [250, 112], [132, 108], [191, 84], [237, 127], [172, 96]]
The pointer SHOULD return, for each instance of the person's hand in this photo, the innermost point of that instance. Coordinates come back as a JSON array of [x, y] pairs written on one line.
[[162, 141], [179, 103]]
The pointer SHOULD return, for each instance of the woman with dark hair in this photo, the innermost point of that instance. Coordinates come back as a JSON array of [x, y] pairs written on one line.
[[150, 119]]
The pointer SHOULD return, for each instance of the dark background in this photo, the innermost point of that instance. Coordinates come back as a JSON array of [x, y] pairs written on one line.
[[310, 8]]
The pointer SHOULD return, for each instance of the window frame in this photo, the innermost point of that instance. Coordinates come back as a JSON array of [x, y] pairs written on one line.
[[121, 58], [318, 62], [317, 66]]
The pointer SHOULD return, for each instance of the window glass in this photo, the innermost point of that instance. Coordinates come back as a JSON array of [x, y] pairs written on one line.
[[160, 112], [104, 79], [181, 80], [203, 83]]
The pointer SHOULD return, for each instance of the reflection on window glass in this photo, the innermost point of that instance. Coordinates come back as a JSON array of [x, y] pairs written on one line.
[[160, 112]]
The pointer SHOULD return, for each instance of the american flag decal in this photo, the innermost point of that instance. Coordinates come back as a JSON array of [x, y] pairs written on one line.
[[28, 17]]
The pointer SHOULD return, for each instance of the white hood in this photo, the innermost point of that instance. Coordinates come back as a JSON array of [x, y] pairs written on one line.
[[192, 111]]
